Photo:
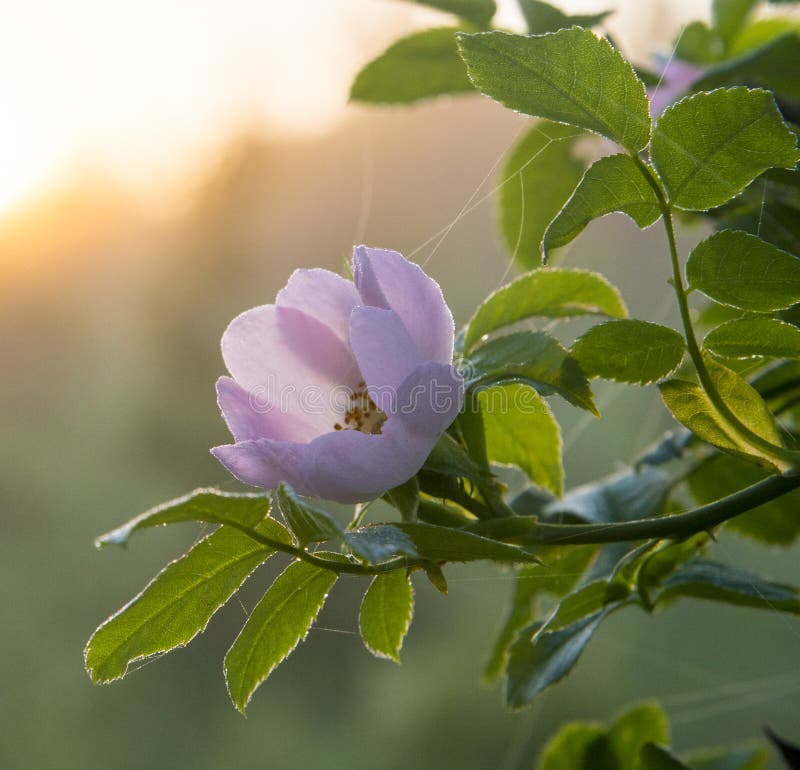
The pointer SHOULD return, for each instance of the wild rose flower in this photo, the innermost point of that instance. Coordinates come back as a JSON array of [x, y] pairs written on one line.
[[341, 388]]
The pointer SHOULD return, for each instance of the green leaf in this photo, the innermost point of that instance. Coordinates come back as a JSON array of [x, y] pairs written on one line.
[[520, 430], [540, 658], [207, 505], [379, 542], [775, 222], [443, 515], [660, 564], [629, 351], [445, 544], [540, 174], [613, 183], [551, 292], [179, 602], [280, 620], [753, 337], [416, 67], [774, 522], [708, 147], [706, 579], [308, 523], [655, 757], [699, 44], [623, 496], [741, 270], [405, 498], [762, 31], [645, 723], [590, 746], [729, 16], [477, 12], [386, 614], [691, 407], [534, 358], [557, 576], [581, 603], [542, 17], [570, 76], [449, 458], [778, 380], [755, 758], [771, 66], [573, 747]]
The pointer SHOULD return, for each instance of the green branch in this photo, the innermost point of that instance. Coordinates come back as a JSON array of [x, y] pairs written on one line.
[[353, 568], [528, 531], [779, 453]]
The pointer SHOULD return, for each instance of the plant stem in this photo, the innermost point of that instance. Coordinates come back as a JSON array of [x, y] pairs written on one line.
[[528, 531], [778, 453], [352, 568]]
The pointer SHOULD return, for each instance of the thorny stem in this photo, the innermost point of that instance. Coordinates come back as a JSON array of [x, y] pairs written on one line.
[[781, 454], [526, 530]]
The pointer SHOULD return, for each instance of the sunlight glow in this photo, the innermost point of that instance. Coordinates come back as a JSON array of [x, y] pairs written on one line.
[[147, 91]]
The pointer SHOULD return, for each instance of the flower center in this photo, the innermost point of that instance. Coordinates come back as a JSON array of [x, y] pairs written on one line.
[[362, 414]]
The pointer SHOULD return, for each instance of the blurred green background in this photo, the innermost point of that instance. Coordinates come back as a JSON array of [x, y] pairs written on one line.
[[113, 297]]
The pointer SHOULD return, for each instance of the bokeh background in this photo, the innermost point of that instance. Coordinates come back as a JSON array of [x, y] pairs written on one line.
[[164, 166]]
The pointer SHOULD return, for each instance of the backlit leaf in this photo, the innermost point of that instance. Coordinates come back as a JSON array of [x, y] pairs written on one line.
[[179, 602], [477, 12], [613, 183], [769, 66], [280, 620], [628, 350], [416, 67], [750, 337], [570, 76], [550, 292], [540, 174], [691, 406], [386, 614], [542, 17], [708, 147], [741, 270], [520, 430], [207, 505], [729, 16]]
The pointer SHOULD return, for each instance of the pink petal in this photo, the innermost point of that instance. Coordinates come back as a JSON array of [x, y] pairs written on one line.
[[323, 295], [429, 399], [284, 357], [263, 462], [386, 279], [385, 352], [250, 418], [349, 466]]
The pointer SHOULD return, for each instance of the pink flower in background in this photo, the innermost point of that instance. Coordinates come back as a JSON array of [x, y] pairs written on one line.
[[676, 79], [341, 388]]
